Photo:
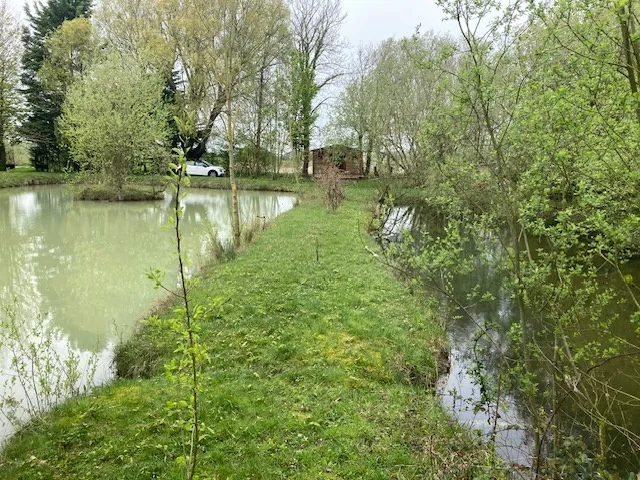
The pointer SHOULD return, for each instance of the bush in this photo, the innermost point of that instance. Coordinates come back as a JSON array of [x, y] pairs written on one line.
[[332, 187]]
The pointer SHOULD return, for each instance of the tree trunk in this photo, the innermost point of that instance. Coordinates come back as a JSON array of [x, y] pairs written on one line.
[[367, 165], [307, 123], [3, 153], [257, 154], [305, 160], [628, 57], [235, 210], [196, 147], [360, 150]]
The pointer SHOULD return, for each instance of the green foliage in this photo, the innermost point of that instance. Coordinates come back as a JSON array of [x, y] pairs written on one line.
[[45, 369], [9, 78], [73, 48], [44, 105], [315, 37], [115, 119], [535, 142], [184, 368]]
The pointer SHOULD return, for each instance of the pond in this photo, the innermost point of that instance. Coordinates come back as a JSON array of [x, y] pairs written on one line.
[[479, 339], [75, 274]]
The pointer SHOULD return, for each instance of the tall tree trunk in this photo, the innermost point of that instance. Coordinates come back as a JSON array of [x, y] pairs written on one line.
[[367, 165], [3, 152], [235, 210], [257, 154], [625, 17], [360, 153], [196, 147], [307, 123]]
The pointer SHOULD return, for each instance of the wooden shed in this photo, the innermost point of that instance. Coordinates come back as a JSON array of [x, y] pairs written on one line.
[[347, 159]]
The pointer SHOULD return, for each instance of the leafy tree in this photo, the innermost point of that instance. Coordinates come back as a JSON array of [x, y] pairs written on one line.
[[176, 40], [9, 71], [44, 106], [315, 26], [250, 32], [114, 117], [534, 138], [73, 48]]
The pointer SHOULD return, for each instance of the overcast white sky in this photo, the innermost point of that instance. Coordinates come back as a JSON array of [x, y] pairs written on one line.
[[371, 21]]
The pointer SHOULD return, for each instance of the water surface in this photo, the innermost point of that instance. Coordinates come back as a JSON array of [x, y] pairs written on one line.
[[473, 346]]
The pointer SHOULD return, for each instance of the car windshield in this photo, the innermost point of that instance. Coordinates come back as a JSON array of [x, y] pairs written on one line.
[[206, 164]]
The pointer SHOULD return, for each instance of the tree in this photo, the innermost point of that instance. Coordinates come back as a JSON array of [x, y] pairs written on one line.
[[315, 26], [534, 140], [9, 72], [176, 39], [73, 47], [44, 106], [114, 117], [250, 34], [352, 116]]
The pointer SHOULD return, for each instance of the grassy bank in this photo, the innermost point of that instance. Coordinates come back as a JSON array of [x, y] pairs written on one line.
[[26, 177], [266, 183], [322, 367], [129, 193]]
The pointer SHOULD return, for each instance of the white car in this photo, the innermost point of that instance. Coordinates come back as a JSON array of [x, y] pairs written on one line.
[[200, 167]]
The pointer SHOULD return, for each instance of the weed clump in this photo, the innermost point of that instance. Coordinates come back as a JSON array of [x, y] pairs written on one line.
[[332, 187]]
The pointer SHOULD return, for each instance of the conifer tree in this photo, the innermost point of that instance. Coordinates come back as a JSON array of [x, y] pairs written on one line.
[[44, 105]]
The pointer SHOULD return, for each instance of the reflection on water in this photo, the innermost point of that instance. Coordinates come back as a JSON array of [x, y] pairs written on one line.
[[82, 265], [474, 346]]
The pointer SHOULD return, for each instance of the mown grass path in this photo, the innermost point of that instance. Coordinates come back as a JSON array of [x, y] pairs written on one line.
[[322, 367]]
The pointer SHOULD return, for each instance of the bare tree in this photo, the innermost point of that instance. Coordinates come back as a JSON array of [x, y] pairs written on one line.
[[315, 26], [250, 33]]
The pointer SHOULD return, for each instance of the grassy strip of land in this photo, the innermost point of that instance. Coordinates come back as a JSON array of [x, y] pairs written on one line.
[[129, 193], [322, 367], [27, 177], [264, 183]]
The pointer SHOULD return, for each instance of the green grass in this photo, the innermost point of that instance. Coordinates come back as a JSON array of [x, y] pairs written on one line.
[[25, 176], [21, 177], [322, 367], [266, 183]]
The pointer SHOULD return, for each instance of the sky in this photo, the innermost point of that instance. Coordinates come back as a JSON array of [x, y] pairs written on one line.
[[370, 21]]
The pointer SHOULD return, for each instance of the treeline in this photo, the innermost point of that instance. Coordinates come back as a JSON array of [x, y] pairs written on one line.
[[110, 88], [525, 131]]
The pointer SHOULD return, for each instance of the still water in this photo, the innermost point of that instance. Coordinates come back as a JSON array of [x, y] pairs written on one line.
[[80, 268], [473, 345]]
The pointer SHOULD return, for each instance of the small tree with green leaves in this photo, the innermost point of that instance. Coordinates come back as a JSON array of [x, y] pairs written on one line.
[[114, 117]]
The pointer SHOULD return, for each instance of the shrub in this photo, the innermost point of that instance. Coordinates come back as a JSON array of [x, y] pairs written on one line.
[[332, 187]]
